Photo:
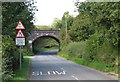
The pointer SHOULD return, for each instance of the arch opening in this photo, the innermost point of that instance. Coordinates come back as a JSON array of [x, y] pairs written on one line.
[[46, 45]]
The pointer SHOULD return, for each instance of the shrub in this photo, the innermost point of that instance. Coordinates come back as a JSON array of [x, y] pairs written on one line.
[[99, 48], [75, 49], [92, 47], [26, 52], [0, 58], [10, 57]]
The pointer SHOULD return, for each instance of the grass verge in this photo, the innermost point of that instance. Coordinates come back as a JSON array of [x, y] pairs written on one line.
[[23, 73], [96, 65], [45, 49]]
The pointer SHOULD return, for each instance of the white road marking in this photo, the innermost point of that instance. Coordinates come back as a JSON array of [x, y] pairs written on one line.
[[33, 73], [40, 73], [37, 73], [63, 70], [61, 73], [54, 72], [48, 73], [75, 77]]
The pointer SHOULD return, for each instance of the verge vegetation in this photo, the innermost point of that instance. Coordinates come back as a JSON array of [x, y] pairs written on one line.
[[11, 14], [23, 73], [92, 37]]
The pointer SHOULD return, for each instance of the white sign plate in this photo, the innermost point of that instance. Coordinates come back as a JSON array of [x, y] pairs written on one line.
[[20, 41]]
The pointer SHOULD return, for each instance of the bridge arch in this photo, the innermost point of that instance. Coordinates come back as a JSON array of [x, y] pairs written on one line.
[[36, 34], [56, 39]]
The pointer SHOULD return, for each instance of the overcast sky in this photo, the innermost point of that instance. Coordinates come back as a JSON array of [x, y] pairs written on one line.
[[50, 9]]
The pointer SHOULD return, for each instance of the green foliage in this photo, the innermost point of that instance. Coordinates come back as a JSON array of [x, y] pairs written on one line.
[[80, 29], [96, 65], [57, 23], [42, 27], [45, 43], [13, 12], [101, 51], [0, 58], [103, 18], [67, 20], [75, 49], [26, 52], [10, 57], [64, 24], [23, 73], [92, 46], [98, 26]]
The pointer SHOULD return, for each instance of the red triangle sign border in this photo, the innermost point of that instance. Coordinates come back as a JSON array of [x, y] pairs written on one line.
[[17, 36], [17, 28]]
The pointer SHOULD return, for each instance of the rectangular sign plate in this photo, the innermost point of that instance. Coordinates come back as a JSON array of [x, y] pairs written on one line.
[[20, 41]]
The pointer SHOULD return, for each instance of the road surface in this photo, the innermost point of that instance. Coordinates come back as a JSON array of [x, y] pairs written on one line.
[[52, 67]]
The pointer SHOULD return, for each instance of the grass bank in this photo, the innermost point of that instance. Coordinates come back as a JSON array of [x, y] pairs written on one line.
[[103, 58], [44, 49], [23, 73], [101, 66]]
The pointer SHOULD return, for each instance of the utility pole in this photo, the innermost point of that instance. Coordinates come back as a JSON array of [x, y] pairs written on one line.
[[66, 25], [66, 28]]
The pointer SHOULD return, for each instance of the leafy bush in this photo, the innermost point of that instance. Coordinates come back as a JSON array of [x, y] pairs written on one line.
[[99, 49], [92, 47], [0, 58], [75, 49], [96, 52], [26, 52], [10, 57]]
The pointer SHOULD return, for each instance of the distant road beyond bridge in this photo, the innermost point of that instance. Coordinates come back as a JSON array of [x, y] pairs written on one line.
[[35, 34]]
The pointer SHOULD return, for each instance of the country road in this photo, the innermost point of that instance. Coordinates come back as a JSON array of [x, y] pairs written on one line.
[[48, 66]]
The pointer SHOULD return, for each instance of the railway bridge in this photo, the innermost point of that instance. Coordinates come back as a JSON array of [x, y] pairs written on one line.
[[35, 34]]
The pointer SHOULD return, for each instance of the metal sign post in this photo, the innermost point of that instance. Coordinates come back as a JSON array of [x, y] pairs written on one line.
[[20, 40], [20, 57]]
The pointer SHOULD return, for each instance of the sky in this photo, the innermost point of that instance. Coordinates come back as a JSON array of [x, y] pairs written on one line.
[[50, 9]]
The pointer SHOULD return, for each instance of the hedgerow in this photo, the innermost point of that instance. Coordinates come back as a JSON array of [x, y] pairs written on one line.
[[10, 58]]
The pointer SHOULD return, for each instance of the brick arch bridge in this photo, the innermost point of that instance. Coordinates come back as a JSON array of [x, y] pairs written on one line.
[[35, 34]]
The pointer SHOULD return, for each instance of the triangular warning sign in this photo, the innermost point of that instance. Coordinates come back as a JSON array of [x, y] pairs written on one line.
[[20, 26], [20, 34]]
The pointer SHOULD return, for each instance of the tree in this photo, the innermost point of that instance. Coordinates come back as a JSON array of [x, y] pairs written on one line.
[[13, 12], [104, 20], [57, 23], [80, 29]]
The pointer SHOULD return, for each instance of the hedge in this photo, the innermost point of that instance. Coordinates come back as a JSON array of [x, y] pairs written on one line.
[[10, 57]]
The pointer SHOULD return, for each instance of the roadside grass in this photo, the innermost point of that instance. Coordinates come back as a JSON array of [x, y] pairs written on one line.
[[23, 73], [101, 66], [45, 49]]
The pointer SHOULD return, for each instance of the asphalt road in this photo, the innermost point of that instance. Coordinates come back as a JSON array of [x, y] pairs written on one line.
[[52, 67]]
